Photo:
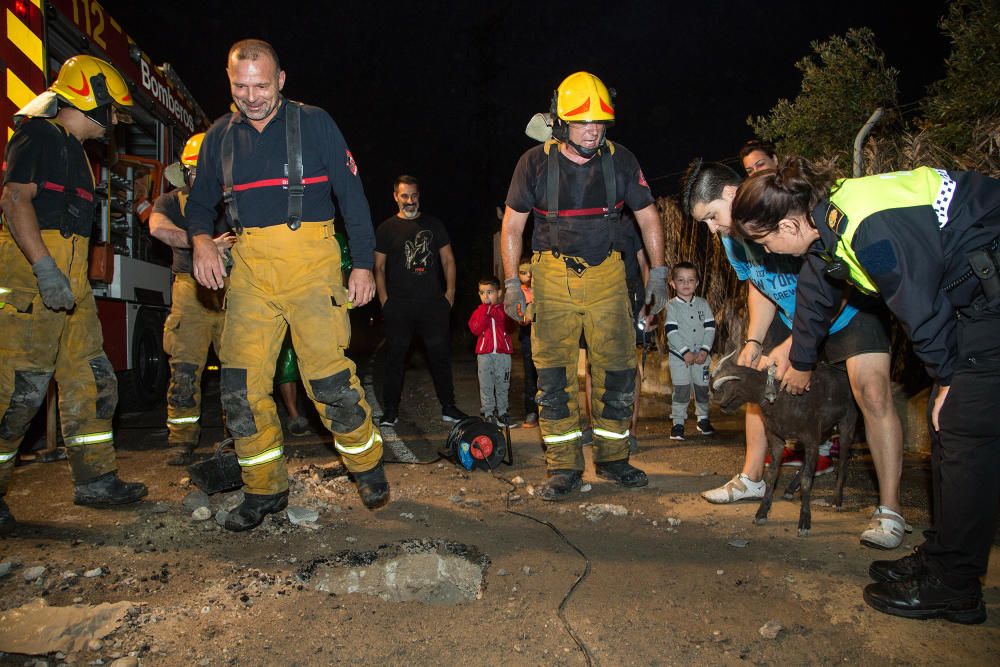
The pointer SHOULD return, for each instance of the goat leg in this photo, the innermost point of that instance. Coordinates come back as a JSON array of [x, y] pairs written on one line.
[[808, 473], [770, 478]]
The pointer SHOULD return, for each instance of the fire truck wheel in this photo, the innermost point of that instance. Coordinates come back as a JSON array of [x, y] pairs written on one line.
[[144, 386]]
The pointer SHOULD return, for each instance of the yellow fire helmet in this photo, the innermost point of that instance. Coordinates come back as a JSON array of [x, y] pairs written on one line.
[[583, 98], [89, 85], [189, 156]]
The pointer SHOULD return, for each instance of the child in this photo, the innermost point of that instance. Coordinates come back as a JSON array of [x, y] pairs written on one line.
[[524, 336], [493, 350], [690, 332]]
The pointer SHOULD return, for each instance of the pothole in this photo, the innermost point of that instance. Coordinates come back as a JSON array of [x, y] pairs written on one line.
[[430, 571]]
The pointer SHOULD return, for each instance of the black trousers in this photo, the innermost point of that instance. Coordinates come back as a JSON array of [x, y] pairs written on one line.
[[530, 372], [428, 319], [965, 463]]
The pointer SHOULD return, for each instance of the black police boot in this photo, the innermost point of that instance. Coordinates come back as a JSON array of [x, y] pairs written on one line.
[[373, 487], [183, 455], [901, 569], [622, 472], [108, 490], [7, 523], [560, 484], [928, 597], [251, 512]]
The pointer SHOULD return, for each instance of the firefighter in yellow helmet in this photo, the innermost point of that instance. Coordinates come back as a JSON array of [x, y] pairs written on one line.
[[576, 185], [48, 318], [196, 314]]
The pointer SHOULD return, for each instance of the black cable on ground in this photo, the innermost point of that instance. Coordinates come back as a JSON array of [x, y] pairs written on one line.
[[579, 580]]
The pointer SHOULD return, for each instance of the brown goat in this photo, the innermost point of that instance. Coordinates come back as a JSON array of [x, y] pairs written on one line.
[[809, 419]]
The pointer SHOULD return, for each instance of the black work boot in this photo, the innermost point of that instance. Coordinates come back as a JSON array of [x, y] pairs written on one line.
[[108, 490], [183, 455], [622, 472], [901, 569], [560, 484], [928, 597], [373, 487], [7, 523], [251, 512]]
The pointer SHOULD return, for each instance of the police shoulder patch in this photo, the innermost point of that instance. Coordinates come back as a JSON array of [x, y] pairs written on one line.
[[834, 217]]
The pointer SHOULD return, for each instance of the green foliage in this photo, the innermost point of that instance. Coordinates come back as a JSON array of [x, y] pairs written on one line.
[[970, 91], [839, 92]]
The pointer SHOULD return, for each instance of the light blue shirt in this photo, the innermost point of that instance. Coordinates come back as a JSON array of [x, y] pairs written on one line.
[[775, 276]]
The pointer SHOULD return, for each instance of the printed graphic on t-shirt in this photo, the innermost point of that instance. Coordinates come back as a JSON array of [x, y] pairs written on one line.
[[419, 252]]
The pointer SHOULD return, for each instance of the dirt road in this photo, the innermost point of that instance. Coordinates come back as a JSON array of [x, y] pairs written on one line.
[[672, 581]]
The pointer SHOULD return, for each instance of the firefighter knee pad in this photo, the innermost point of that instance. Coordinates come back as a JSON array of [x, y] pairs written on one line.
[[107, 387], [29, 392], [619, 394], [183, 377], [553, 401], [682, 394], [342, 401], [701, 393], [239, 415]]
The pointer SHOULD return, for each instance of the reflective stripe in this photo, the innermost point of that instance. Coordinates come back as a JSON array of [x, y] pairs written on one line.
[[7, 456], [5, 290], [89, 439], [565, 437], [183, 420], [360, 448], [610, 435], [277, 182], [266, 457]]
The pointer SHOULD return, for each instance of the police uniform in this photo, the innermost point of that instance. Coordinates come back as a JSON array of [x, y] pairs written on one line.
[[925, 241], [283, 278], [37, 342], [195, 322], [578, 282]]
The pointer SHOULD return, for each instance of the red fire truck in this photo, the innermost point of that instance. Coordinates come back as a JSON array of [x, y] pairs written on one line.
[[129, 270]]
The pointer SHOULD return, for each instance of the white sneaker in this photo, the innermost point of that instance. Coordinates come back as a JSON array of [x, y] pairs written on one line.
[[738, 488], [886, 529]]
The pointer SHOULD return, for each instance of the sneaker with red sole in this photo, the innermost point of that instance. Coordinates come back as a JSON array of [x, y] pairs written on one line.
[[789, 458], [824, 465]]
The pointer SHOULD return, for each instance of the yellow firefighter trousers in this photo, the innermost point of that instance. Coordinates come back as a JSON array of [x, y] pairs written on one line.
[[37, 343], [595, 303], [195, 321], [283, 279]]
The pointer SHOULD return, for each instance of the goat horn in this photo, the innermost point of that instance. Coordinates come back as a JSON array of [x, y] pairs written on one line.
[[721, 381]]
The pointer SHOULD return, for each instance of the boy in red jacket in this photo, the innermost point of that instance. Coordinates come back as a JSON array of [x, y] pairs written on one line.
[[493, 350]]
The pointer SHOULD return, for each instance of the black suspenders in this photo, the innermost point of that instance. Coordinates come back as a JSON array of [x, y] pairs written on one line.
[[611, 215], [296, 188]]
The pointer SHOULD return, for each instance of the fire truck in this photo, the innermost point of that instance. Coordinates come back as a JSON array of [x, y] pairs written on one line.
[[129, 270]]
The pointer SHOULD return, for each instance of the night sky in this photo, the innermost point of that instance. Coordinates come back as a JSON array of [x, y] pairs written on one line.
[[443, 90]]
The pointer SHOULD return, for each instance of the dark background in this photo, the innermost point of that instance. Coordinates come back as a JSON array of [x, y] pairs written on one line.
[[443, 90]]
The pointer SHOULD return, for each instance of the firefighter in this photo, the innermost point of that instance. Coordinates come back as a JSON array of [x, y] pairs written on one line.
[[48, 317], [196, 315], [275, 163], [576, 184]]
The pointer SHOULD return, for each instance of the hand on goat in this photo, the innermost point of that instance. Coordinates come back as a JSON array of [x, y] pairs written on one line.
[[750, 354], [795, 381]]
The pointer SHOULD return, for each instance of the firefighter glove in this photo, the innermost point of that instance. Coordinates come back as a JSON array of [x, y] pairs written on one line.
[[656, 290], [53, 284], [514, 303]]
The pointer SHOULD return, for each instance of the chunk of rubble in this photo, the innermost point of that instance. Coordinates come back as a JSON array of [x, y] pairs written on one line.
[[302, 516], [36, 628], [427, 570], [597, 511], [770, 630]]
